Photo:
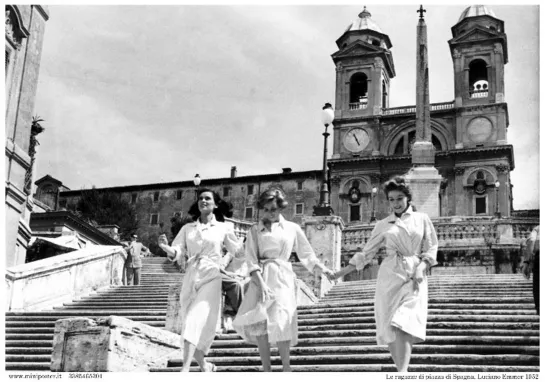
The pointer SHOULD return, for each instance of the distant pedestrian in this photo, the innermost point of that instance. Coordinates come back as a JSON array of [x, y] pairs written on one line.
[[133, 263], [530, 263], [401, 296]]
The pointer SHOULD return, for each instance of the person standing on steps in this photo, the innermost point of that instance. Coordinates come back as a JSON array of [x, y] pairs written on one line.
[[133, 263], [530, 263], [401, 297], [201, 242], [268, 313]]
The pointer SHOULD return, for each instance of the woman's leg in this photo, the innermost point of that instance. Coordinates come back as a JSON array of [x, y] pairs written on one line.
[[401, 350], [284, 350], [203, 364], [189, 351], [264, 351]]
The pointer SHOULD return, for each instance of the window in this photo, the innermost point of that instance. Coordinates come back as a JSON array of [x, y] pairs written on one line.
[[62, 203], [225, 191], [178, 194], [154, 219], [250, 189], [156, 196], [358, 91], [478, 79], [480, 205], [133, 198], [355, 213], [299, 208], [249, 213], [300, 185]]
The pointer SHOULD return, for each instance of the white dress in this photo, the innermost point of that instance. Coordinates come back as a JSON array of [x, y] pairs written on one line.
[[408, 240], [201, 290], [270, 252]]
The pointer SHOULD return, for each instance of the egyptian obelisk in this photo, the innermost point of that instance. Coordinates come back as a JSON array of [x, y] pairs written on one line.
[[423, 178]]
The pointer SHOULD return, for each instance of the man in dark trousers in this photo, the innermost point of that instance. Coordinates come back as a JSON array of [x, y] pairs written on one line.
[[133, 263]]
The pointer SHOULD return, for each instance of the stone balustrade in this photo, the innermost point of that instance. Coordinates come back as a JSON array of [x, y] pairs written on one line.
[[457, 232], [45, 283], [412, 109], [357, 105], [241, 227]]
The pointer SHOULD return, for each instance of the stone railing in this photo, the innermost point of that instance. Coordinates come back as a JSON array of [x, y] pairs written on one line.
[[45, 283], [457, 232], [357, 105], [412, 109], [241, 227], [478, 93]]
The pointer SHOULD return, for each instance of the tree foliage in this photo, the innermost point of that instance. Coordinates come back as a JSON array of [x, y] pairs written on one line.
[[105, 207], [177, 222]]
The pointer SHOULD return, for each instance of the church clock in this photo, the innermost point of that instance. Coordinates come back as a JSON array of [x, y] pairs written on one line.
[[356, 140]]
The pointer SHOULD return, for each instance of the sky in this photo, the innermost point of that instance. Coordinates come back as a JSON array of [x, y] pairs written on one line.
[[151, 94]]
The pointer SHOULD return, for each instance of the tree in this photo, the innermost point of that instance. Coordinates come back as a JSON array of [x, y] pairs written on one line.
[[106, 207], [177, 222]]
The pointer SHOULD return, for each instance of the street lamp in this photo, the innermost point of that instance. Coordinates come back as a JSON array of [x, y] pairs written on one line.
[[323, 208], [497, 185], [373, 194], [196, 182]]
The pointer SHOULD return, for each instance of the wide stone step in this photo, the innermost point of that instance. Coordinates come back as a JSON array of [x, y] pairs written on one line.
[[53, 318], [365, 349], [439, 300], [432, 325], [439, 359], [25, 350], [29, 366], [431, 312], [432, 340], [439, 318], [51, 323], [28, 358], [314, 309], [374, 368]]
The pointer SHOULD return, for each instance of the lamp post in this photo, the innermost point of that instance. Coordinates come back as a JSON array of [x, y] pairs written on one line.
[[196, 182], [373, 194], [498, 213], [323, 208]]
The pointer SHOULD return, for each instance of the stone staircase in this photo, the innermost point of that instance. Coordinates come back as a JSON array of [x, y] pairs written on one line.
[[481, 323]]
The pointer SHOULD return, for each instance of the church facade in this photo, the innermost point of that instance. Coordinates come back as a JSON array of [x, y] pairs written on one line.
[[372, 141]]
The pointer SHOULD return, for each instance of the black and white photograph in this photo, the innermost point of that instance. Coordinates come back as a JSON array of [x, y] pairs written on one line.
[[276, 187]]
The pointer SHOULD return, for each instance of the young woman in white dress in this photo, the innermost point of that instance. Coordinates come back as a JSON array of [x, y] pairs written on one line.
[[201, 242], [268, 313], [401, 297]]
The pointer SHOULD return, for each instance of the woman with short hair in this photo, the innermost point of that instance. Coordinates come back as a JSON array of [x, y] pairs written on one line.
[[401, 297], [268, 314], [201, 242]]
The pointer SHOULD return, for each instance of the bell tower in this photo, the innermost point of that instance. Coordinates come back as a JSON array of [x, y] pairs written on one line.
[[364, 68], [479, 53]]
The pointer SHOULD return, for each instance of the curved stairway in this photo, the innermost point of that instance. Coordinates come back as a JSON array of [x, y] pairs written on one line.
[[476, 323]]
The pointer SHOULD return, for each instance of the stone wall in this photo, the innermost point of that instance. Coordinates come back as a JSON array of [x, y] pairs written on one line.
[[45, 283]]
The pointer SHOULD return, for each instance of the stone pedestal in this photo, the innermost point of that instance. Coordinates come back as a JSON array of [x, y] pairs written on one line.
[[173, 322], [112, 344], [325, 236], [424, 183]]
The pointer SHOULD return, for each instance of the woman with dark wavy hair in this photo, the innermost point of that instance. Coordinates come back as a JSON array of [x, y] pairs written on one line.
[[268, 313], [201, 242], [401, 297]]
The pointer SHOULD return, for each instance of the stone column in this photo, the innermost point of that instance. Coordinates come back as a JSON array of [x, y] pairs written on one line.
[[325, 236], [112, 344]]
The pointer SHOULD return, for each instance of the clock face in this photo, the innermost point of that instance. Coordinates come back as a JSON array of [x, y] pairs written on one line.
[[356, 140]]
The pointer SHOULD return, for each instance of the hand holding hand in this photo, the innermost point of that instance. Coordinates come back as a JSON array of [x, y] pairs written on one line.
[[329, 274]]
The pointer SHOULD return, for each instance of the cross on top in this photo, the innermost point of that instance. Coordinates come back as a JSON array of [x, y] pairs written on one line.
[[421, 11]]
